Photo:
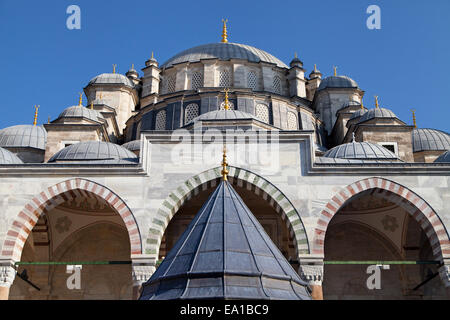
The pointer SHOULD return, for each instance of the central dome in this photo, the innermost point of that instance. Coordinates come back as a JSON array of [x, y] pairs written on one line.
[[224, 51]]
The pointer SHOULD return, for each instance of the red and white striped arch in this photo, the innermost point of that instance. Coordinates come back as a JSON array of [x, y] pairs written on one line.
[[402, 196], [56, 195]]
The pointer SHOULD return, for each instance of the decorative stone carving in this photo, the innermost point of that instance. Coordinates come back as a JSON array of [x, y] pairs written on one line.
[[313, 274], [7, 274], [142, 269]]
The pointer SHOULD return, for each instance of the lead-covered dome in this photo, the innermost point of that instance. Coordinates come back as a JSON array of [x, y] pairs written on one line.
[[443, 158], [338, 82], [430, 140], [223, 115], [360, 151], [224, 51], [358, 113], [80, 112], [377, 113], [134, 145], [94, 152], [112, 78], [23, 136], [7, 157]]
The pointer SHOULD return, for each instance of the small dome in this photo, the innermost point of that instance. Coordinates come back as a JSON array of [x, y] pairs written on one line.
[[80, 112], [23, 136], [224, 51], [94, 151], [377, 113], [430, 140], [7, 157], [112, 78], [358, 113], [224, 115], [134, 145], [443, 158], [338, 82], [360, 151]]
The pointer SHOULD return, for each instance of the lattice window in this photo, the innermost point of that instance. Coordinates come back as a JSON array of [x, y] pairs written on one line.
[[230, 104], [225, 78], [292, 121], [262, 112], [196, 80], [171, 84], [277, 84], [161, 120], [190, 113], [252, 81]]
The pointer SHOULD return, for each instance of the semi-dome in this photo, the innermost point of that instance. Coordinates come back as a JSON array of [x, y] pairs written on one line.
[[223, 51], [134, 145], [224, 115], [360, 151], [338, 82], [112, 78], [23, 136], [80, 112], [7, 157], [94, 151], [377, 113], [430, 140], [443, 158]]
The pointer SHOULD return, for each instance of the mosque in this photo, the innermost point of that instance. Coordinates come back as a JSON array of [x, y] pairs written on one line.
[[138, 190]]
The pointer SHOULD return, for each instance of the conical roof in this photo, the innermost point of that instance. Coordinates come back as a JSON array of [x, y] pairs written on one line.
[[225, 254]]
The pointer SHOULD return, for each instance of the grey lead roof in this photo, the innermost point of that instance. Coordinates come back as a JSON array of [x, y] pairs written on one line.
[[223, 51], [430, 140], [23, 136], [112, 78], [360, 150], [134, 145], [80, 112], [7, 157], [377, 113], [443, 158], [337, 82], [223, 115], [225, 254], [97, 151]]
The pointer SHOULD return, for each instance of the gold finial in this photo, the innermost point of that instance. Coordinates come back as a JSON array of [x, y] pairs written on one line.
[[132, 66], [101, 95], [224, 165], [36, 114], [414, 118], [315, 67], [80, 102], [377, 105], [224, 31], [335, 71], [227, 105], [295, 55], [92, 105], [48, 121], [114, 68], [362, 106], [153, 57]]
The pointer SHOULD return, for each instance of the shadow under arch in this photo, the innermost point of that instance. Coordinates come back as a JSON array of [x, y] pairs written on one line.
[[240, 177], [52, 197], [416, 207]]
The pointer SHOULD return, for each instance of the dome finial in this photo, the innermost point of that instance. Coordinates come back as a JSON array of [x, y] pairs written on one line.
[[80, 102], [226, 106], [362, 105], [224, 164], [315, 67], [224, 31], [114, 68], [335, 71], [414, 118], [92, 105], [295, 55], [101, 95], [377, 105], [36, 107]]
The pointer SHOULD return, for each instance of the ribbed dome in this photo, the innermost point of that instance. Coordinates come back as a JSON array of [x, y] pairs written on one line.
[[112, 78], [338, 82], [94, 151], [224, 51], [358, 113], [225, 253], [23, 136], [223, 115], [80, 112], [7, 157], [430, 140], [377, 113], [443, 158], [361, 151], [134, 145]]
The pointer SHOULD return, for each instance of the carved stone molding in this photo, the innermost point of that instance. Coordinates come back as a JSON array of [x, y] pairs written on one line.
[[143, 267], [444, 272], [311, 269], [7, 273]]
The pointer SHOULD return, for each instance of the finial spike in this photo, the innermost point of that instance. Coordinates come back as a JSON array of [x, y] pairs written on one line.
[[114, 68], [295, 55], [101, 95], [224, 31], [48, 121], [80, 102], [153, 57], [132, 66], [36, 107], [227, 104], [414, 118], [92, 105], [377, 105], [224, 164], [362, 106], [335, 71], [315, 67]]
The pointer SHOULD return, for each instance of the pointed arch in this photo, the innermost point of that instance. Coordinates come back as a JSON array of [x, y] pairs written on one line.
[[242, 178], [52, 197], [417, 207]]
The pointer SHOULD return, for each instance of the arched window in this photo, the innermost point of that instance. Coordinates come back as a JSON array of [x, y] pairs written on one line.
[[292, 121], [171, 84], [196, 80], [160, 123], [251, 80], [277, 84], [190, 113], [262, 112], [225, 78]]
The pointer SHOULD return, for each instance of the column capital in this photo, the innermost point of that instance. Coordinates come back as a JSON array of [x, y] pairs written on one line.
[[143, 266], [7, 273], [311, 269]]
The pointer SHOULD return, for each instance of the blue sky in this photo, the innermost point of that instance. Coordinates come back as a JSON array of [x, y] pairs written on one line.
[[406, 63]]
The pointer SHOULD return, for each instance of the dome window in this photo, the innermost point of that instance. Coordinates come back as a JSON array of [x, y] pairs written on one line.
[[191, 112], [277, 84], [262, 112], [225, 78], [292, 121], [161, 120], [196, 80], [251, 80]]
